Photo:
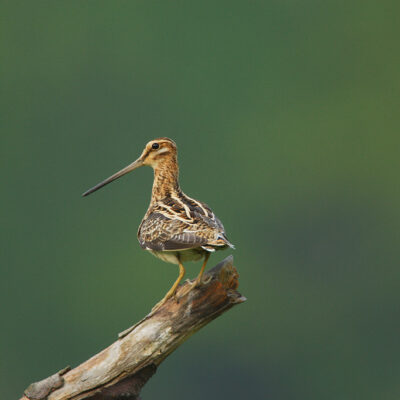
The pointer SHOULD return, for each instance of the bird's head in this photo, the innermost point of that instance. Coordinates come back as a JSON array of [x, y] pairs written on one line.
[[157, 153]]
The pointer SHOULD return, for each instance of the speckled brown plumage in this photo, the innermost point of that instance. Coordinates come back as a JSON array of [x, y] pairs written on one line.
[[177, 222]]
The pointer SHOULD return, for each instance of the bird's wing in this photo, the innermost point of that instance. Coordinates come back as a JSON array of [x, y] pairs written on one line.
[[181, 223], [158, 232], [212, 221]]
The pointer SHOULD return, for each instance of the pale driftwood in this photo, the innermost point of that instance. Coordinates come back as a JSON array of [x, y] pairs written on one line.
[[121, 370]]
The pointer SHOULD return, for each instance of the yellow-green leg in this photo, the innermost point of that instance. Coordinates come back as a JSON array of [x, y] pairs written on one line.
[[197, 282], [171, 292]]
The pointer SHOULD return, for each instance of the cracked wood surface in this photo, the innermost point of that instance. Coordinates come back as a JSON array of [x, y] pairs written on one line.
[[122, 369]]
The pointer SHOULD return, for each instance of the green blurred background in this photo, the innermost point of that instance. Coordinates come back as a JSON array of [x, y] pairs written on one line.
[[286, 116]]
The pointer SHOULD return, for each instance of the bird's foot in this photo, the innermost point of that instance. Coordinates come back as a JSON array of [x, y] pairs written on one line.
[[164, 300], [176, 297], [199, 281], [158, 305], [193, 284]]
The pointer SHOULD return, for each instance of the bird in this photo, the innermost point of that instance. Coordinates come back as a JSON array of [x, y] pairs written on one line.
[[176, 228]]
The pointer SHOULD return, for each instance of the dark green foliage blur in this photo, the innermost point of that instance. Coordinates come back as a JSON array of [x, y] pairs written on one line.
[[286, 116]]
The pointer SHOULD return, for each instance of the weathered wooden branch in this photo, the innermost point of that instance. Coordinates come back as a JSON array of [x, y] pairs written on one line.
[[121, 370]]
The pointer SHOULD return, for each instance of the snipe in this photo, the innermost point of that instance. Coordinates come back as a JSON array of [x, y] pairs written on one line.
[[175, 228]]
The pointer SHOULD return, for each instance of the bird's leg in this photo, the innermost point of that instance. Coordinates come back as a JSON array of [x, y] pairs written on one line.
[[198, 281], [171, 292]]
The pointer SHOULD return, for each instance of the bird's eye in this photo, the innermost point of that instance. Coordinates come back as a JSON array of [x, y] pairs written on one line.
[[155, 146]]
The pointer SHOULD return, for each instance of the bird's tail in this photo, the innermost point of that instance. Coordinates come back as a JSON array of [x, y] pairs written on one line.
[[225, 241]]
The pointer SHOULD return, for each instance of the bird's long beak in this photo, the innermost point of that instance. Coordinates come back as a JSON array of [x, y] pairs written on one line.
[[136, 164]]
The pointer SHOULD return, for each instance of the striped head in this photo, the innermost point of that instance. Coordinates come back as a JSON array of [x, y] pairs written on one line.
[[159, 151], [160, 154]]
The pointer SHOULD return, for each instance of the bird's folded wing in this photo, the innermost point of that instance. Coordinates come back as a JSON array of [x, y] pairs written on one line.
[[158, 232]]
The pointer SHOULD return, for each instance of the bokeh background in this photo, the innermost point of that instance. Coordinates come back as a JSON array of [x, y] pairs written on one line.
[[286, 116]]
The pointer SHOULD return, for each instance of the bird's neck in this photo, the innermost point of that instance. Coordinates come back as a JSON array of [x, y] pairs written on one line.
[[166, 181]]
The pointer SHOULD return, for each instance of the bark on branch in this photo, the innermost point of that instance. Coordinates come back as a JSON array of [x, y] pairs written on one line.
[[121, 370]]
